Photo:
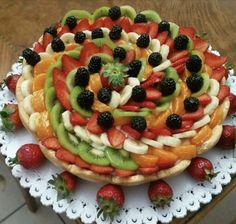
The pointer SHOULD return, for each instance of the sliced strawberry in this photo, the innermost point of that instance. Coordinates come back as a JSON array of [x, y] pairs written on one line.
[[92, 125], [148, 104], [170, 43], [152, 94], [223, 93], [152, 79], [188, 31], [102, 169], [115, 137], [200, 44], [97, 24], [153, 29], [82, 25], [77, 119], [232, 99], [62, 91], [81, 163], [108, 23], [180, 68], [124, 173], [148, 170], [213, 60], [64, 29], [149, 134], [38, 47], [131, 132], [106, 50], [219, 73], [186, 126], [178, 55], [130, 108], [161, 131], [87, 51], [194, 115], [51, 143], [204, 99], [140, 28], [162, 37], [130, 56], [47, 39], [69, 63], [65, 156], [180, 62], [125, 24]]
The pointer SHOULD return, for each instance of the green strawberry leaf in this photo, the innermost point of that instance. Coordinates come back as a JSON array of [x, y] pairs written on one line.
[[202, 35], [7, 125], [7, 111], [229, 65]]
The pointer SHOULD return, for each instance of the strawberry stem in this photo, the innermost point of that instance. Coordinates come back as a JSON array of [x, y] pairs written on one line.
[[13, 161], [210, 174]]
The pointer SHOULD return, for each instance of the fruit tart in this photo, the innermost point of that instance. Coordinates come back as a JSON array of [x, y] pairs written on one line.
[[122, 97]]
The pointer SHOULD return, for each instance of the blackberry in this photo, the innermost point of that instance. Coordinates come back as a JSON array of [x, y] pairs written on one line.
[[138, 123], [85, 99], [138, 94], [57, 44], [154, 59], [194, 63], [167, 86], [80, 37], [140, 18], [194, 82], [163, 26], [114, 13], [95, 64], [104, 95], [174, 121], [52, 30], [82, 77], [143, 40], [119, 52], [134, 68], [115, 32], [105, 120], [31, 57], [181, 42], [191, 104], [71, 21], [97, 33]]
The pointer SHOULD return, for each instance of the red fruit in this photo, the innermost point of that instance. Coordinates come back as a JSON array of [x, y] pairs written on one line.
[[186, 125], [131, 132], [180, 68], [69, 63], [201, 169], [188, 31], [38, 47], [125, 24], [161, 131], [213, 60], [200, 44], [153, 29], [148, 104], [81, 26], [101, 169], [130, 56], [64, 29], [11, 82], [149, 134], [92, 125], [130, 108], [65, 156], [77, 119], [148, 170], [227, 139], [181, 61], [162, 37], [152, 79], [160, 193], [47, 39], [107, 50], [115, 137], [194, 115], [140, 28], [178, 55], [153, 94], [81, 163], [124, 173], [29, 156], [64, 184], [10, 118], [108, 23], [204, 99], [97, 24], [232, 99], [51, 143], [219, 73], [87, 51], [170, 43], [62, 91], [223, 92], [105, 83], [110, 199]]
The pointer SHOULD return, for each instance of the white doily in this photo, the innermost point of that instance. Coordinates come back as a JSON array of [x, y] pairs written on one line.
[[188, 194]]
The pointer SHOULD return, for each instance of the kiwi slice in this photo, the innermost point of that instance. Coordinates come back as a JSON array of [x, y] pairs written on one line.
[[50, 98], [101, 41], [190, 44], [151, 15], [170, 72], [100, 12], [106, 58], [122, 113], [128, 11], [55, 116], [70, 79], [142, 69], [118, 160], [205, 86], [163, 106], [78, 14], [75, 53], [92, 156], [174, 30], [73, 100]]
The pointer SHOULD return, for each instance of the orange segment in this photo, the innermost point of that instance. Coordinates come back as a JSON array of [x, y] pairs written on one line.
[[95, 83], [144, 53], [148, 71], [216, 117], [202, 135], [101, 107], [57, 55], [43, 127], [38, 82], [70, 47], [160, 120], [43, 65], [178, 105], [185, 151], [38, 101], [137, 51], [185, 92], [145, 160], [208, 70], [119, 121], [186, 74]]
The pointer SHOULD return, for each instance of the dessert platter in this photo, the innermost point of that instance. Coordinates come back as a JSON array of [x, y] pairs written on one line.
[[121, 98]]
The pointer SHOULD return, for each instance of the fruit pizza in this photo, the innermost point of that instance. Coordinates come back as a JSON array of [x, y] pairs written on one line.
[[122, 97]]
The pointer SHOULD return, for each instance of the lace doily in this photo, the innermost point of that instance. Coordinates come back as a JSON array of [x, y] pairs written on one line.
[[188, 194]]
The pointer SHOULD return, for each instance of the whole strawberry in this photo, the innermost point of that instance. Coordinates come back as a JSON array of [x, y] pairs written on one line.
[[110, 199], [10, 117], [64, 183], [29, 156], [227, 139], [201, 169], [160, 193], [232, 99], [11, 81]]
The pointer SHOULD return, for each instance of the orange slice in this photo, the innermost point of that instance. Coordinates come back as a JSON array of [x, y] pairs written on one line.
[[38, 101], [95, 83], [38, 82], [185, 151], [119, 121], [208, 70], [43, 65], [70, 47], [101, 107], [145, 160], [160, 120], [216, 117], [204, 134]]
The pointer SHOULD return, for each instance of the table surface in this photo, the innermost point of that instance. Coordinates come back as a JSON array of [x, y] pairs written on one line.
[[22, 22]]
